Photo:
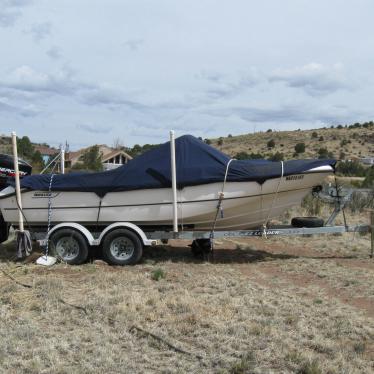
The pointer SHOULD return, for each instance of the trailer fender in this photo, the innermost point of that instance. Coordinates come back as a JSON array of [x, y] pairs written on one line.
[[76, 226], [130, 226]]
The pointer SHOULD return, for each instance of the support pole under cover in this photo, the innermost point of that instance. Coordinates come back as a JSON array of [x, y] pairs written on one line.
[[174, 181], [16, 177], [23, 241], [62, 159]]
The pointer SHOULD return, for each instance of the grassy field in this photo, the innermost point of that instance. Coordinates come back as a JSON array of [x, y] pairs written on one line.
[[285, 305]]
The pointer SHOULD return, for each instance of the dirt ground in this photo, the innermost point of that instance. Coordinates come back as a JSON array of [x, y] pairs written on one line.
[[284, 305]]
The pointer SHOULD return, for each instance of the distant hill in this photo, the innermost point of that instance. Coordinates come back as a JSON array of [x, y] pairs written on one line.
[[349, 142], [354, 141]]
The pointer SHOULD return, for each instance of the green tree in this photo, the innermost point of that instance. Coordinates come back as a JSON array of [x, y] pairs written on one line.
[[25, 147], [91, 159], [37, 159], [300, 148]]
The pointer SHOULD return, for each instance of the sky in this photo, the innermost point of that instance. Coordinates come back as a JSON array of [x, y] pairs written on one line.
[[93, 72]]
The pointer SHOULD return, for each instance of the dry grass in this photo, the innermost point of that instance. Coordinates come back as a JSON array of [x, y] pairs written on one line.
[[361, 142], [291, 305]]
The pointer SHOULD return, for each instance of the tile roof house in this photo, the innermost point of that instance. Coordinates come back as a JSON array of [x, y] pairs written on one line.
[[111, 158], [46, 151]]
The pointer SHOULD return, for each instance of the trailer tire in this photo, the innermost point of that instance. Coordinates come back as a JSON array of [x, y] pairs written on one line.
[[4, 229], [70, 246], [307, 222], [201, 247], [122, 247]]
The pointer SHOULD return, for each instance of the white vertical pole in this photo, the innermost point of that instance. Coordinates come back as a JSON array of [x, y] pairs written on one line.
[[16, 177], [174, 181], [62, 159]]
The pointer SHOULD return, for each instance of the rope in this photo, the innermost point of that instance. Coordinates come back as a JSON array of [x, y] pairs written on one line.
[[274, 198], [221, 196]]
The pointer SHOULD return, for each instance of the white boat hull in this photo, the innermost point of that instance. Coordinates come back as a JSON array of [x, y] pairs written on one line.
[[246, 204]]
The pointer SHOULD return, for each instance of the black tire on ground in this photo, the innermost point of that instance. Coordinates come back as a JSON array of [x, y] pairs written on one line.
[[200, 247], [70, 246], [122, 247], [4, 230], [307, 222]]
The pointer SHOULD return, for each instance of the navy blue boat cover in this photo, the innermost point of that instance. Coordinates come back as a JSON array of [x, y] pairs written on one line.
[[197, 163]]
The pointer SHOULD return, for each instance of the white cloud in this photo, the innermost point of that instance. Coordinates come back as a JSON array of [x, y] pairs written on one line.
[[11, 10], [313, 78], [96, 129], [54, 53], [133, 44], [40, 31]]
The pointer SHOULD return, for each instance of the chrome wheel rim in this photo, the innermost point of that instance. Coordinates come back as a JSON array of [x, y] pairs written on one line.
[[67, 248], [122, 248]]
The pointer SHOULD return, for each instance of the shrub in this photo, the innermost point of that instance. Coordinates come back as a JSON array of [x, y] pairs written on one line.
[[242, 156], [271, 143], [351, 169], [313, 205], [247, 156], [278, 156], [255, 156], [321, 139], [360, 201], [300, 148], [269, 130], [158, 274], [220, 141], [343, 142], [369, 178], [314, 135], [245, 365], [208, 141], [310, 367], [324, 153]]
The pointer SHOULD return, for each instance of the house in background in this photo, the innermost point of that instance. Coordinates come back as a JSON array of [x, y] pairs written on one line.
[[110, 157], [46, 151], [114, 159]]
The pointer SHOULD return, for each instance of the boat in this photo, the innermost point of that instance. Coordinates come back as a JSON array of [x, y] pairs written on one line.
[[212, 190], [7, 172]]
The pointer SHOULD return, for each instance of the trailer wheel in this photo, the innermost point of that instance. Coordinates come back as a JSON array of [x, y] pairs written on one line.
[[307, 222], [4, 229], [70, 246], [122, 247], [201, 247]]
